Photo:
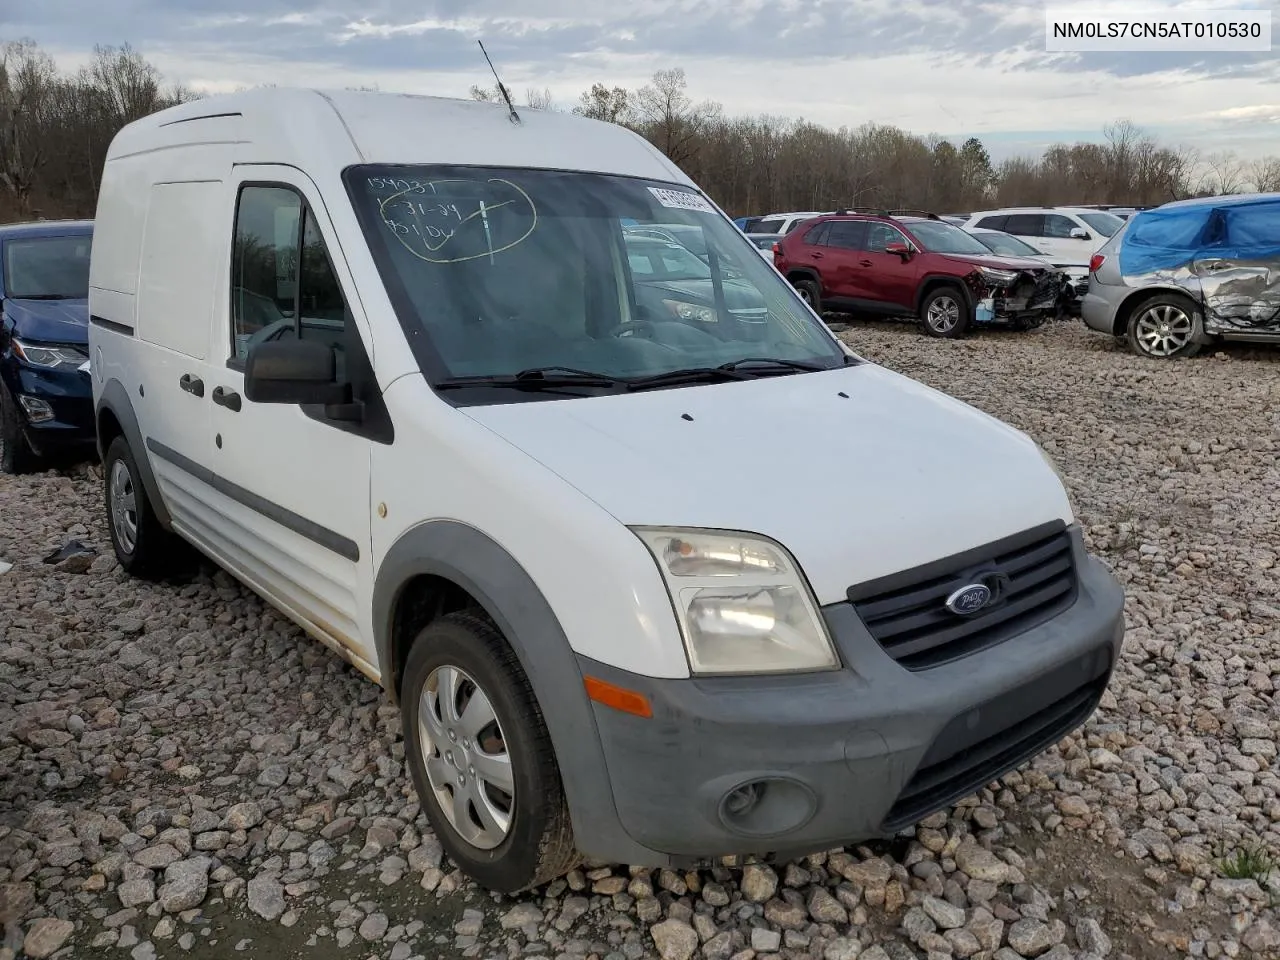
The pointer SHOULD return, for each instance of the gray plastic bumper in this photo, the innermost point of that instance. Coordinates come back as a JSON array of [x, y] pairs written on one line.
[[847, 755]]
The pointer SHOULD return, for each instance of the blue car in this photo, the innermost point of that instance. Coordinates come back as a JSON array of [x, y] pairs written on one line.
[[46, 397]]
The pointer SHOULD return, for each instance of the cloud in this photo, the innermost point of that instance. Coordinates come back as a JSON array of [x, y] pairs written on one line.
[[951, 66]]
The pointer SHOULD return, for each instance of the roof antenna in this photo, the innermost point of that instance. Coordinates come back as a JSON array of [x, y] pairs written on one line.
[[515, 117]]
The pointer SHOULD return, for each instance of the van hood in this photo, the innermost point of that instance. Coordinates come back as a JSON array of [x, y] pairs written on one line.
[[49, 321], [886, 477]]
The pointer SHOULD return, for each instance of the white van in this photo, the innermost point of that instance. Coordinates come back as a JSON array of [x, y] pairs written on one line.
[[390, 361], [1071, 235]]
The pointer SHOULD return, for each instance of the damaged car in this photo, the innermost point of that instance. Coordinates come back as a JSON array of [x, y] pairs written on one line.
[[1188, 274], [917, 265]]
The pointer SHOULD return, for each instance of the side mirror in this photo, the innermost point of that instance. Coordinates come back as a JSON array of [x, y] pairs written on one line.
[[293, 371], [1079, 233], [901, 249]]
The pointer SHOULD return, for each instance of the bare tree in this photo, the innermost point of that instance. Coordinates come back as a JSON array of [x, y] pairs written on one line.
[[1265, 174], [670, 118], [602, 103], [27, 79], [1225, 173]]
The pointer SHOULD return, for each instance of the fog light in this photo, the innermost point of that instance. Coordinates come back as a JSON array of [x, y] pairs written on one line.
[[37, 410], [767, 807]]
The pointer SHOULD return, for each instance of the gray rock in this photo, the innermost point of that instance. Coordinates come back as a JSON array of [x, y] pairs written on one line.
[[266, 897], [244, 816], [764, 940], [1091, 938], [1030, 937], [759, 882], [981, 864], [842, 948], [674, 939], [136, 893], [374, 927], [945, 915], [521, 915], [825, 908], [46, 936]]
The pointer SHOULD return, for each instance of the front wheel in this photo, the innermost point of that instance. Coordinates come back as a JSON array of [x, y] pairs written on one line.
[[481, 757], [1165, 326], [945, 313], [15, 453], [810, 293]]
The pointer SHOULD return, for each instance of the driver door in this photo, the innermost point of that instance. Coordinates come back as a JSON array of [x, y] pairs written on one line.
[[293, 495]]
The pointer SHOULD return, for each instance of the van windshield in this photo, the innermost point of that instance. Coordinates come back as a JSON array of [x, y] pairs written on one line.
[[496, 272]]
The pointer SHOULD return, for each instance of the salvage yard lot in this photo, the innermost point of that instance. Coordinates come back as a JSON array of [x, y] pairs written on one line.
[[183, 774]]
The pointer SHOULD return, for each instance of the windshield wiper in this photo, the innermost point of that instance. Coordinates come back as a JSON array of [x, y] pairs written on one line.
[[749, 368], [535, 378], [43, 296], [773, 362]]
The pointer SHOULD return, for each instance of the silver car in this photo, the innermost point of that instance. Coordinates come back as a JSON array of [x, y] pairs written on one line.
[[1188, 274]]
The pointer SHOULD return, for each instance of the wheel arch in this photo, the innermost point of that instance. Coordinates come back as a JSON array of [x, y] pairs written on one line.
[[932, 281], [443, 563], [1124, 311], [114, 416]]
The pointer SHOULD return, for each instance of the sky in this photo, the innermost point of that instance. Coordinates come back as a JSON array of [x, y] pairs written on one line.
[[956, 68]]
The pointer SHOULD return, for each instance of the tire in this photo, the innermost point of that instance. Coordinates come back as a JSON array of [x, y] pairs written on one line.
[[16, 455], [466, 652], [810, 293], [142, 546], [1164, 327], [945, 313]]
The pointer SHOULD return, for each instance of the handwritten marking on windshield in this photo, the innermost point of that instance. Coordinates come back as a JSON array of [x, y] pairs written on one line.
[[434, 237]]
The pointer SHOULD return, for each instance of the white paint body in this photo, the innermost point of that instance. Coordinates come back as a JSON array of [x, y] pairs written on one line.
[[889, 477], [1061, 250]]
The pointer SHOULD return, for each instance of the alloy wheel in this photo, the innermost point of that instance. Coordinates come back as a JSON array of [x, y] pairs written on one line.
[[943, 315], [1163, 330]]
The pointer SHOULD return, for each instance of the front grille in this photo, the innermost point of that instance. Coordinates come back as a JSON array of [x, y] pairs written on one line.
[[941, 783], [1032, 577]]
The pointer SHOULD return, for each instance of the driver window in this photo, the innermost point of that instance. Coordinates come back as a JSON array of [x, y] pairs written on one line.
[[282, 281], [880, 235], [1058, 226]]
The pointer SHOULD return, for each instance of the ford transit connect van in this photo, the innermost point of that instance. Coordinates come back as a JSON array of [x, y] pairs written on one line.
[[393, 362]]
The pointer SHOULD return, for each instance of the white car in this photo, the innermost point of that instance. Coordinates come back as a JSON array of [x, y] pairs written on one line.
[[1069, 234], [383, 358], [764, 243], [783, 223]]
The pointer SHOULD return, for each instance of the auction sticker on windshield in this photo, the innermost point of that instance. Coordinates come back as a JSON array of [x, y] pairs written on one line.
[[681, 200]]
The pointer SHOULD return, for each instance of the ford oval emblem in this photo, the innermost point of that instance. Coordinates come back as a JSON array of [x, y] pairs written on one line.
[[969, 599]]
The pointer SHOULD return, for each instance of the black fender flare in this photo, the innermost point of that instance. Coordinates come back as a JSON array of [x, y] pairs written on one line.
[[472, 560], [929, 279], [115, 398], [807, 273]]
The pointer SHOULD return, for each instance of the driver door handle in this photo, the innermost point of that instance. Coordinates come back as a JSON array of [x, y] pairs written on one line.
[[816, 256], [865, 263], [226, 398], [193, 385]]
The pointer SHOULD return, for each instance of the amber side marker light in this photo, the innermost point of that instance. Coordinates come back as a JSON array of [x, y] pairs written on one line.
[[628, 701]]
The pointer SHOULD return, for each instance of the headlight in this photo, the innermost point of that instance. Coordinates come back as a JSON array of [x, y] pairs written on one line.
[[1062, 477], [998, 276], [41, 356], [742, 604], [690, 311]]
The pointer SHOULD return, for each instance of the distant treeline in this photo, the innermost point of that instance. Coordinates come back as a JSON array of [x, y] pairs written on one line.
[[55, 128]]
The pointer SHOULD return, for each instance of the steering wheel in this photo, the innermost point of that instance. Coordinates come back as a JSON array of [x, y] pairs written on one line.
[[634, 328]]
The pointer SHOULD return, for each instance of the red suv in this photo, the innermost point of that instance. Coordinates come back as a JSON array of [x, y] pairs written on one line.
[[916, 266]]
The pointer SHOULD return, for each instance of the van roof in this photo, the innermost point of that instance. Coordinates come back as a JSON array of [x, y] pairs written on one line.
[[336, 128]]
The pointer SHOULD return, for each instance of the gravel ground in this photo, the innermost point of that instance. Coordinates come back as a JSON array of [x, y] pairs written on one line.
[[183, 774]]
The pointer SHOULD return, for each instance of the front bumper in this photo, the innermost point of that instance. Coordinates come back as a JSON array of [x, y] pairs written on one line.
[[854, 754], [68, 393]]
